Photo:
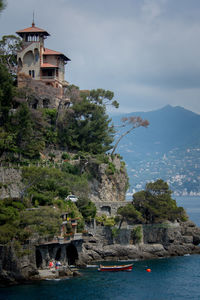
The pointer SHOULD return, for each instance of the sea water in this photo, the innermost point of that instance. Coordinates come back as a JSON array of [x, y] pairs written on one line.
[[170, 278]]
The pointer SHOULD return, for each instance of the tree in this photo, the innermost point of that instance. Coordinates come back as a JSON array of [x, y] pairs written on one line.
[[87, 208], [6, 94], [130, 214], [156, 205], [86, 126], [158, 188], [2, 5], [133, 122], [9, 46], [102, 97]]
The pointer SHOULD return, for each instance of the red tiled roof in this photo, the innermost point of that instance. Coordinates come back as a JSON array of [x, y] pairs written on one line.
[[47, 65], [52, 52], [33, 29]]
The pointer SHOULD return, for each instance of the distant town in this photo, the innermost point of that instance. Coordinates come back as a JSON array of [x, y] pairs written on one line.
[[179, 167]]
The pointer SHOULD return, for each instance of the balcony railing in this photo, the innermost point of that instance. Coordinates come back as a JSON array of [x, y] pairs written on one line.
[[49, 77]]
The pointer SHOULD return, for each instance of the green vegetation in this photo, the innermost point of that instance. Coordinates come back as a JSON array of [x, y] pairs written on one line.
[[85, 127], [9, 45], [105, 220], [153, 205], [136, 234], [44, 185], [115, 232], [2, 5], [26, 132], [87, 208], [45, 221], [130, 214]]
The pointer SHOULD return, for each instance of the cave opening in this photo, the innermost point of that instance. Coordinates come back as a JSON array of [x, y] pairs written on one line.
[[72, 254], [38, 256], [58, 254]]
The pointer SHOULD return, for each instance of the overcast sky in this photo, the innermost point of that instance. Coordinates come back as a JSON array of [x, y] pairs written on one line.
[[146, 51]]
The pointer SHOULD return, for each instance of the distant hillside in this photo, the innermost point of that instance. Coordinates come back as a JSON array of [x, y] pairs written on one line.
[[169, 148]]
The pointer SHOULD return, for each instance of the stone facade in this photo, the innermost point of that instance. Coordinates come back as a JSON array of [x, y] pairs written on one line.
[[40, 63]]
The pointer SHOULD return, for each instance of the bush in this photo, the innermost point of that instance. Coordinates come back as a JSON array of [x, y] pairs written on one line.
[[105, 220], [66, 156], [87, 209], [136, 234], [110, 170]]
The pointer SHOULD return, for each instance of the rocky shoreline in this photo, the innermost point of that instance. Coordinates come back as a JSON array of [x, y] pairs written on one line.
[[173, 239], [158, 240]]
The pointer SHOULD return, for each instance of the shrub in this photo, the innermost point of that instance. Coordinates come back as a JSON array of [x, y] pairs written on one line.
[[110, 170], [136, 234], [66, 156]]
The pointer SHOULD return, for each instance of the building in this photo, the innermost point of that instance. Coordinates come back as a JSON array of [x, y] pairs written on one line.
[[39, 63], [67, 221]]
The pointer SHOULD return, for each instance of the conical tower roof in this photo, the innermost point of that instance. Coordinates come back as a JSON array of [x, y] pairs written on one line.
[[32, 29]]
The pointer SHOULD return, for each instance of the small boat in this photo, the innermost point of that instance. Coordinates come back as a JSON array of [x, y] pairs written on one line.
[[116, 268]]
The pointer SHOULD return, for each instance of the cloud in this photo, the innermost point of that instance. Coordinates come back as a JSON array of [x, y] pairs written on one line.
[[152, 9], [146, 51]]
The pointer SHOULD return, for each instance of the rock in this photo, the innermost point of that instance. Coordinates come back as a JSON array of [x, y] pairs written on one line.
[[14, 269], [105, 187], [76, 274]]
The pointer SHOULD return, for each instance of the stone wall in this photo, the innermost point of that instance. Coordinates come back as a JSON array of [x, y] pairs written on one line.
[[157, 240], [108, 208], [41, 95]]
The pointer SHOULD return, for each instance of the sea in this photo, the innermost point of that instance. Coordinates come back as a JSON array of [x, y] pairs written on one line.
[[170, 278]]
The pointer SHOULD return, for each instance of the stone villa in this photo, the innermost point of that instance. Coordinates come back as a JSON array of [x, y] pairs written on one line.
[[39, 63]]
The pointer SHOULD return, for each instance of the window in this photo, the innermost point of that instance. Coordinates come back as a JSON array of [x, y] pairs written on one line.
[[50, 73], [31, 73], [36, 57]]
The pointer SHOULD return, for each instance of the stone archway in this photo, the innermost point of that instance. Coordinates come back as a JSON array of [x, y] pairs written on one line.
[[38, 257], [106, 210], [72, 254]]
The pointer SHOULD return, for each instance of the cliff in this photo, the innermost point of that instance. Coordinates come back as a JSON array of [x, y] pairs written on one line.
[[108, 185], [157, 240], [104, 185], [16, 266]]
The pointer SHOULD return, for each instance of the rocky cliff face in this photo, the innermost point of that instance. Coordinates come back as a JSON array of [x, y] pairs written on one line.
[[157, 240], [14, 267], [104, 186], [10, 182], [107, 187]]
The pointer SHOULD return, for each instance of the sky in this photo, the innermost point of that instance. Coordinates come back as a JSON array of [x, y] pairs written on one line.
[[146, 51]]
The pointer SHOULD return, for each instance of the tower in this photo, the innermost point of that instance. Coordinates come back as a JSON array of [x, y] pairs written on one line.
[[38, 62]]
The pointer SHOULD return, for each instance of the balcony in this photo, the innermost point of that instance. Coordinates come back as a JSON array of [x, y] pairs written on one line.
[[49, 77]]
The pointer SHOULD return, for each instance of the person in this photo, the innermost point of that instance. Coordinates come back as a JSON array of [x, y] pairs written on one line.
[[50, 264], [56, 265]]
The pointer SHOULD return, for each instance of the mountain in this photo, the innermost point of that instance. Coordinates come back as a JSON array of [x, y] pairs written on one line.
[[169, 148]]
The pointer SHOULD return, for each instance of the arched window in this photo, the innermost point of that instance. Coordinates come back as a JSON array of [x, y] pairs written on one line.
[[28, 58]]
